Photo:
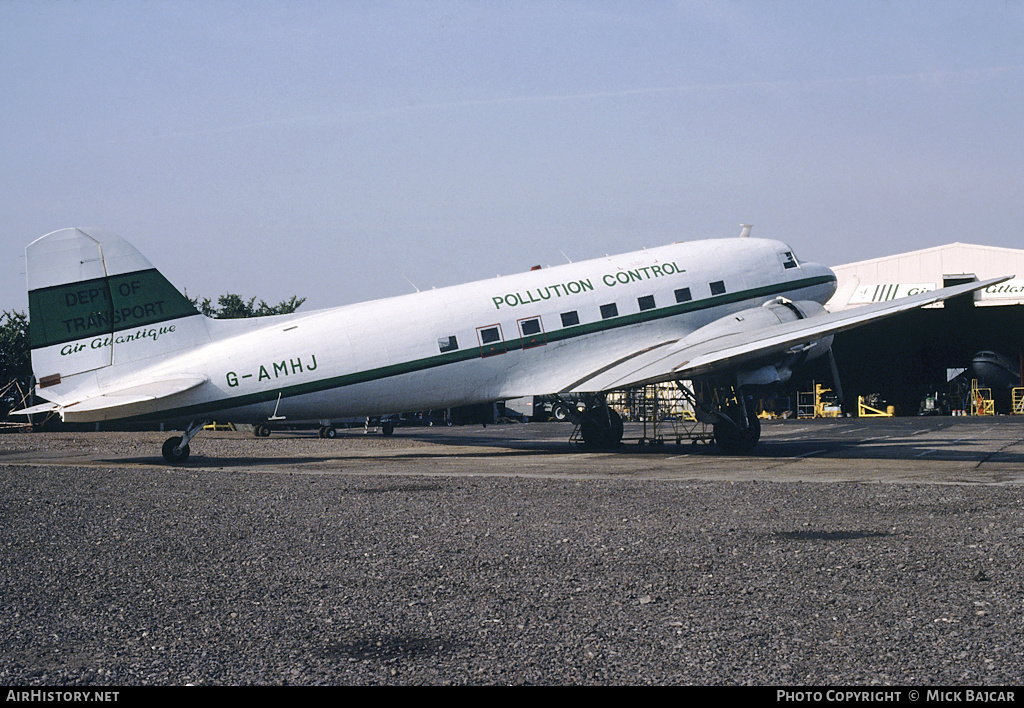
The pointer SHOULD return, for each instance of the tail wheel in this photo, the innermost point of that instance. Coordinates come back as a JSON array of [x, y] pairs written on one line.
[[173, 453]]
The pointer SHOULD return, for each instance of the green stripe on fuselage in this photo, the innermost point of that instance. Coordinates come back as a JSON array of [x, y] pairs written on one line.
[[475, 352]]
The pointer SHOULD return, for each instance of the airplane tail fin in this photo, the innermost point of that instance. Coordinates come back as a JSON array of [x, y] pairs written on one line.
[[97, 306]]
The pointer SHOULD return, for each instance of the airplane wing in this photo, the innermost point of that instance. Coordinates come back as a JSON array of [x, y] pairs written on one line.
[[691, 357], [118, 402]]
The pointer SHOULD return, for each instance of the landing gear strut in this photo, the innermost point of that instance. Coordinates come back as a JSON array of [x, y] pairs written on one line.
[[734, 421], [738, 429], [175, 449], [599, 426]]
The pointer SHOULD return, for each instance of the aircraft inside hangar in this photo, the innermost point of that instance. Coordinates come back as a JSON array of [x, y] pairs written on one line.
[[937, 352]]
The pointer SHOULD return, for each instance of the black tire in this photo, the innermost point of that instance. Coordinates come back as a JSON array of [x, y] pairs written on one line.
[[175, 456], [387, 428], [330, 432], [560, 413], [601, 429], [738, 441]]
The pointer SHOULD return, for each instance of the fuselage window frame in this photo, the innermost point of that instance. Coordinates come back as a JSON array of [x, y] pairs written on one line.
[[531, 329], [492, 342]]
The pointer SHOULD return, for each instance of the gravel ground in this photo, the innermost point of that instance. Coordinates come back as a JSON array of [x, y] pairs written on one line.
[[148, 575]]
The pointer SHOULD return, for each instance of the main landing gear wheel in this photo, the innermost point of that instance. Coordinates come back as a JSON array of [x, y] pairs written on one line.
[[328, 432], [736, 440], [601, 428], [174, 451]]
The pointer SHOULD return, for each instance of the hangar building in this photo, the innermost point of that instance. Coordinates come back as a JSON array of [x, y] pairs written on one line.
[[910, 356]]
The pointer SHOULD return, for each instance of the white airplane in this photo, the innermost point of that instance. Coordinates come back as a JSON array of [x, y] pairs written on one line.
[[112, 339]]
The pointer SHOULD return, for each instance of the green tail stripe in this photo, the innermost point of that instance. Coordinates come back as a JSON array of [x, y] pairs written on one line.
[[89, 308]]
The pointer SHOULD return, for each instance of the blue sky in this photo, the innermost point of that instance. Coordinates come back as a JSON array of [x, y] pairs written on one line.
[[345, 151]]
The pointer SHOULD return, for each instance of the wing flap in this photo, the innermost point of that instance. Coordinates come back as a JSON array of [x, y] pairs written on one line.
[[684, 358]]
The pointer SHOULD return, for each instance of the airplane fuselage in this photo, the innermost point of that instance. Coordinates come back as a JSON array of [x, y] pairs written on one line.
[[510, 336], [112, 339]]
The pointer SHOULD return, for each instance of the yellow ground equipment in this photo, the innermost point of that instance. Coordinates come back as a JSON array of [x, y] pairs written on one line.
[[868, 411], [982, 402], [817, 403], [219, 426]]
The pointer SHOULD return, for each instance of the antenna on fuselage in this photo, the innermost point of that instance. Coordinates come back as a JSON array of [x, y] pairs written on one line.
[[745, 233], [411, 283]]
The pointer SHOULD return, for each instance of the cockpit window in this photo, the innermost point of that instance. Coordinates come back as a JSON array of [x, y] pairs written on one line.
[[788, 260]]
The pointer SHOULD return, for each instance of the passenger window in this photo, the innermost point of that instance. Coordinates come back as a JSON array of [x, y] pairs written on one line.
[[683, 295], [533, 332], [646, 302], [530, 327], [610, 310], [491, 341], [570, 318], [718, 287], [490, 335], [447, 344]]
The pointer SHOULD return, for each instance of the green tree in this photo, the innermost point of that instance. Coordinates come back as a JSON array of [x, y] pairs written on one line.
[[15, 360], [231, 306]]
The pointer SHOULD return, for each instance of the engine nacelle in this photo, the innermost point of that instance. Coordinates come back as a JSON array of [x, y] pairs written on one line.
[[773, 367]]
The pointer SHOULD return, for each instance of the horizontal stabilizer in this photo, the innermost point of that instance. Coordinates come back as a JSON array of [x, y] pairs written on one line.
[[112, 404], [38, 409]]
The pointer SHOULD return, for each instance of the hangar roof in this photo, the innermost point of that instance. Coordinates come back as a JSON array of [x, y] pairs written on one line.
[[903, 274]]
